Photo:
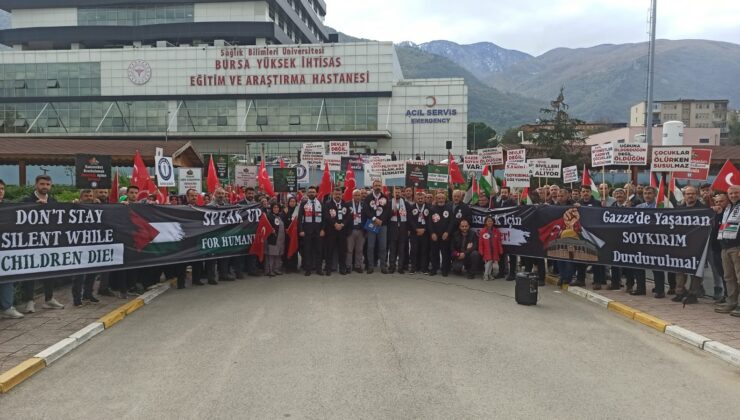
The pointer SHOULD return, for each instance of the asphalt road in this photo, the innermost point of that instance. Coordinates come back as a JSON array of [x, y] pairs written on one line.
[[380, 347]]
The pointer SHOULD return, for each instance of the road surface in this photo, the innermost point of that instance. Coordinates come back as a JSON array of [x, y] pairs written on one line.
[[376, 346]]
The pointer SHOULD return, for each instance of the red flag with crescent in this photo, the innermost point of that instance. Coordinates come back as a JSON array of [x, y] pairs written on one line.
[[264, 230]]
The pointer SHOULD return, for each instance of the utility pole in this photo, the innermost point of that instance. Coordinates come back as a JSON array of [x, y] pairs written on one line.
[[651, 75]]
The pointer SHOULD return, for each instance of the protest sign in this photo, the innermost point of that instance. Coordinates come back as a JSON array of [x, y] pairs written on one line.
[[189, 178], [570, 174], [303, 175], [437, 176], [632, 154], [602, 155], [393, 170], [334, 161], [517, 175], [312, 154], [165, 171], [671, 159], [93, 171], [491, 157], [245, 176], [472, 163], [354, 162], [700, 162], [416, 175], [285, 180], [339, 148], [545, 168], [516, 155], [221, 162]]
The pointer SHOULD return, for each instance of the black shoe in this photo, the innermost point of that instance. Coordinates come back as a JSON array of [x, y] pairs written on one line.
[[384, 270], [671, 291], [613, 287], [690, 299], [445, 274], [678, 298], [390, 271], [432, 273], [327, 273], [308, 273], [510, 278], [198, 283], [401, 272], [638, 293], [659, 295], [77, 303], [91, 299], [358, 270], [370, 270], [213, 282], [499, 276]]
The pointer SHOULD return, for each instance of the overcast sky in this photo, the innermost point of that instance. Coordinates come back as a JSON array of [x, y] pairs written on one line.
[[534, 26]]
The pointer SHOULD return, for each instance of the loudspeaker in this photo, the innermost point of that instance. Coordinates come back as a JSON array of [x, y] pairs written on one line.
[[449, 145]]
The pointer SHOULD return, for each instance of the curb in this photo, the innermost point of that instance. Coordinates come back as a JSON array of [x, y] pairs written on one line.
[[724, 352], [28, 368]]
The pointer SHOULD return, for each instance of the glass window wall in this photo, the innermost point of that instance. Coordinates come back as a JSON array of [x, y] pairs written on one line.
[[135, 15]]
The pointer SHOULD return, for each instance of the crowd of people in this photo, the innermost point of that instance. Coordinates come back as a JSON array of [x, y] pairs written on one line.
[[407, 231]]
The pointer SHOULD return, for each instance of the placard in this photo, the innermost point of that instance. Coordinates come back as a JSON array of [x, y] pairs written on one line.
[[516, 155], [354, 161], [304, 176], [602, 155], [189, 178], [334, 161], [438, 176], [671, 159], [516, 175], [545, 168], [245, 176], [700, 162], [416, 175], [491, 157], [393, 169], [285, 180], [93, 171], [372, 173], [631, 154], [339, 148], [570, 174], [165, 172], [472, 163], [312, 154], [221, 162]]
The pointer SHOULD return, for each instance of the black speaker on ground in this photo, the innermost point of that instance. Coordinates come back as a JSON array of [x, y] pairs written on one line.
[[526, 288]]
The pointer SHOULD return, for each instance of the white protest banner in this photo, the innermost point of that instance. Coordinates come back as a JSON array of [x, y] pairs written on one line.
[[374, 160], [545, 168], [516, 155], [473, 163], [312, 154], [394, 169], [602, 155], [634, 154], [339, 148], [671, 159], [189, 178], [570, 174], [245, 176], [334, 161], [372, 173], [417, 162], [303, 174], [494, 156], [516, 175], [165, 172]]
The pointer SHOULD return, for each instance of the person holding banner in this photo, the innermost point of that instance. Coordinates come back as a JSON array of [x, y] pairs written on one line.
[[621, 201], [398, 232], [290, 211], [336, 214], [196, 267], [690, 195], [441, 225], [599, 271], [377, 213], [7, 290], [649, 195], [310, 229]]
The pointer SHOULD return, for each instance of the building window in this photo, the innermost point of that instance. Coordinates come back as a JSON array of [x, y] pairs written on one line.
[[295, 120], [704, 141], [262, 120], [135, 15]]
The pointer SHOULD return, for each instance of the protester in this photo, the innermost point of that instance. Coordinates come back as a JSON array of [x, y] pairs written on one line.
[[7, 290], [490, 247], [599, 271], [399, 226], [335, 241], [465, 255], [441, 224], [356, 235], [690, 296], [715, 257], [310, 228], [377, 212], [419, 246], [82, 284], [730, 250], [289, 212], [219, 199], [275, 242]]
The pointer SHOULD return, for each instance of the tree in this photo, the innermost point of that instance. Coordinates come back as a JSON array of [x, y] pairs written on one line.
[[557, 133], [480, 136], [511, 136], [733, 124]]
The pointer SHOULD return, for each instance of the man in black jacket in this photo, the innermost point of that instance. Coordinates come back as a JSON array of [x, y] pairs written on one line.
[[378, 211], [599, 271], [41, 194], [465, 251], [460, 210], [441, 222], [419, 235], [311, 229], [398, 232], [336, 216]]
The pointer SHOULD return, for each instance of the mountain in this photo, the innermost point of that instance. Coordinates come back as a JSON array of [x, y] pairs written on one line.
[[482, 59], [602, 82], [485, 104]]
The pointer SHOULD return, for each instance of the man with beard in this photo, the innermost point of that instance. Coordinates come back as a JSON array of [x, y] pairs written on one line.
[[460, 210], [310, 228], [356, 234], [196, 266], [504, 199], [377, 211], [335, 241], [465, 251], [419, 235], [599, 271], [398, 232], [691, 200], [440, 227], [220, 200]]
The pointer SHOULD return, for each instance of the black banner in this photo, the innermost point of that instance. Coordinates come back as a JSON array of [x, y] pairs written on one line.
[[416, 175], [673, 240], [93, 171], [221, 163], [286, 180], [41, 241]]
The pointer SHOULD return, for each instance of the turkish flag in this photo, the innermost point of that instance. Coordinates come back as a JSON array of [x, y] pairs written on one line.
[[293, 237], [350, 183], [264, 230], [113, 196], [456, 176], [325, 187], [727, 177], [140, 175], [212, 181], [263, 178]]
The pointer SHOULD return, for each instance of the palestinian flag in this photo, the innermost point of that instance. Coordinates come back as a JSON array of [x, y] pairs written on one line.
[[588, 182], [662, 200], [487, 182], [156, 237], [473, 193], [524, 198]]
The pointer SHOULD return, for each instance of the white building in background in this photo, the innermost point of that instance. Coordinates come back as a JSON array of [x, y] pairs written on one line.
[[691, 136], [230, 76]]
